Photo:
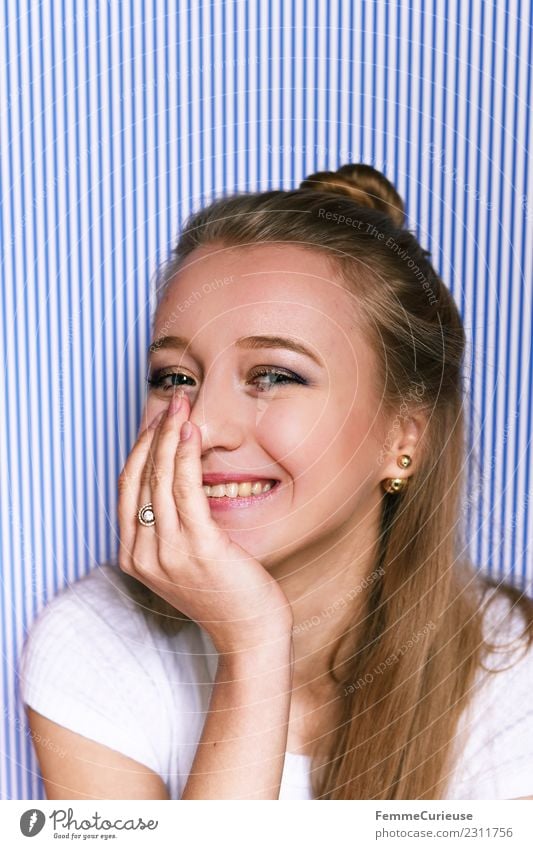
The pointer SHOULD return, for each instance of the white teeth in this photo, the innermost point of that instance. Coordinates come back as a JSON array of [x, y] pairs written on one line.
[[233, 489]]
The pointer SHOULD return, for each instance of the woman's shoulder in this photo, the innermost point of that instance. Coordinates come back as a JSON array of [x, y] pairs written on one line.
[[100, 592], [94, 623], [95, 662], [495, 735], [99, 601]]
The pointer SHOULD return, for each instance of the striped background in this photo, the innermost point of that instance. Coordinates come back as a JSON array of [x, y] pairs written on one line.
[[118, 118]]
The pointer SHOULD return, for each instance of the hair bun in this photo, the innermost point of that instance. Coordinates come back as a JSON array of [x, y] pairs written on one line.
[[364, 184]]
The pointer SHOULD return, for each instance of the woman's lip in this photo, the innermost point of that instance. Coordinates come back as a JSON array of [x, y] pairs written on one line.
[[225, 503]]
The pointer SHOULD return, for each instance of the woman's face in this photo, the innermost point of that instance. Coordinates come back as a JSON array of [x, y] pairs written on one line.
[[311, 422]]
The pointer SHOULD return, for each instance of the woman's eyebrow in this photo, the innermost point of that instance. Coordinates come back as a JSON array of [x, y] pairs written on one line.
[[251, 342], [255, 342]]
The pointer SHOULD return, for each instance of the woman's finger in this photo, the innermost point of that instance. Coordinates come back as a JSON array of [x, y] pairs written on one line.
[[162, 456], [190, 498], [145, 558], [129, 493]]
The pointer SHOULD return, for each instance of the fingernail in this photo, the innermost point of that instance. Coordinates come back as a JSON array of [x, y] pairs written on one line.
[[153, 424], [186, 430]]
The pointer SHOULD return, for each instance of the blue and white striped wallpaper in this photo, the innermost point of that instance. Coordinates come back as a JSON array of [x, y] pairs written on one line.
[[118, 118]]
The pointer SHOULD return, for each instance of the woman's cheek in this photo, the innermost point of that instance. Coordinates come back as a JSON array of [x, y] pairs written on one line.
[[295, 433]]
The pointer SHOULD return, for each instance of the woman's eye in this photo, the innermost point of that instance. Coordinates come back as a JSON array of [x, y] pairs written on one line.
[[263, 377], [158, 378]]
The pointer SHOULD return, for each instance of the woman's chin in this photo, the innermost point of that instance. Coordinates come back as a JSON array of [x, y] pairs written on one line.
[[257, 542]]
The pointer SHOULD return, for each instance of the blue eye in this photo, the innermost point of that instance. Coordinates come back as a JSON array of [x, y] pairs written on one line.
[[284, 377], [276, 377]]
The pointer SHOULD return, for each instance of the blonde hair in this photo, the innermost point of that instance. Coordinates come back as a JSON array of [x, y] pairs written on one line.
[[395, 737]]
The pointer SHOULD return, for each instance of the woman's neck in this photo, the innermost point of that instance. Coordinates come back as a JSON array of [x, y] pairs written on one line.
[[328, 592]]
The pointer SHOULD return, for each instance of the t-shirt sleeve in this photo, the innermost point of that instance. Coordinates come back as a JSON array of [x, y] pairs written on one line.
[[81, 666], [497, 761]]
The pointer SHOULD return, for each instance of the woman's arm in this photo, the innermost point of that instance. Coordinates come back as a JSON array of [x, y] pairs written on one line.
[[241, 752], [194, 565], [74, 767]]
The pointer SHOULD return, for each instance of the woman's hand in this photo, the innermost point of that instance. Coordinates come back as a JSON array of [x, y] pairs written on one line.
[[186, 558]]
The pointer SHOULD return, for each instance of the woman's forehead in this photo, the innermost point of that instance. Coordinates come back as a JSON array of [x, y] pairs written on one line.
[[285, 285]]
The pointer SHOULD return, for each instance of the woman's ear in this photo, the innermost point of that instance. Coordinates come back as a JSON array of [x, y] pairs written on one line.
[[406, 438]]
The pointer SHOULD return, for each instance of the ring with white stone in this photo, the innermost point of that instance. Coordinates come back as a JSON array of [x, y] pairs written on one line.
[[146, 515]]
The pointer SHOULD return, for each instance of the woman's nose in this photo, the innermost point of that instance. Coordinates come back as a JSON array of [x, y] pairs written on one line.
[[220, 418]]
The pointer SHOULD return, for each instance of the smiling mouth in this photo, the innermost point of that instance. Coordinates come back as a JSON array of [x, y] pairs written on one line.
[[244, 489], [226, 501]]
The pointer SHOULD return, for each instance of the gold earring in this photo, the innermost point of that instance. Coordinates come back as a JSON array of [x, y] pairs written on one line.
[[404, 461], [394, 485]]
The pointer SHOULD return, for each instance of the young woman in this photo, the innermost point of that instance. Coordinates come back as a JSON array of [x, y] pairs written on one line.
[[293, 614]]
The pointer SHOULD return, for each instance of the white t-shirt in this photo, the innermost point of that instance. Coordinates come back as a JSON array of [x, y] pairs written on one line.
[[96, 664]]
